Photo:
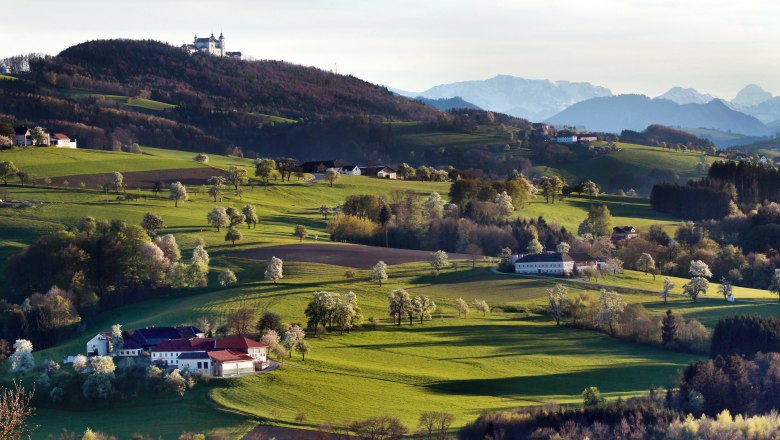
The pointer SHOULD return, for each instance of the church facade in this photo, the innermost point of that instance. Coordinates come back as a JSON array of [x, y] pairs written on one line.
[[211, 46]]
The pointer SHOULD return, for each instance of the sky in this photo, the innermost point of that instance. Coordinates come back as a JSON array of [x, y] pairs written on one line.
[[629, 46]]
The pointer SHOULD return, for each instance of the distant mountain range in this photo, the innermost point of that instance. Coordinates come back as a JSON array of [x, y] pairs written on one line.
[[753, 112], [532, 99], [636, 112]]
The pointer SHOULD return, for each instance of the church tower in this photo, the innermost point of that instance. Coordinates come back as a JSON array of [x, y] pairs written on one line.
[[222, 50]]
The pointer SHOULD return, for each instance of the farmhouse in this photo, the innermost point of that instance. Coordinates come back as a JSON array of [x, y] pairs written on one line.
[[624, 233], [550, 263], [320, 166], [22, 136], [583, 261], [256, 350], [150, 337], [229, 363], [566, 139], [100, 345], [381, 172]]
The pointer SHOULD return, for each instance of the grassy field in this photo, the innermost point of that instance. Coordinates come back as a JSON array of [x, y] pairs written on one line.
[[135, 103], [465, 366], [632, 159]]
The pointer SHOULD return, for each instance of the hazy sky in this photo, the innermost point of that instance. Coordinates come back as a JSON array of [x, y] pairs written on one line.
[[643, 46]]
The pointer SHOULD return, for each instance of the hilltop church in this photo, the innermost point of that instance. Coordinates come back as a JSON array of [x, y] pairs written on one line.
[[211, 46]]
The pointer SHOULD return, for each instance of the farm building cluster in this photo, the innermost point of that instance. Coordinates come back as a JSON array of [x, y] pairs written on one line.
[[184, 348], [25, 136], [344, 167]]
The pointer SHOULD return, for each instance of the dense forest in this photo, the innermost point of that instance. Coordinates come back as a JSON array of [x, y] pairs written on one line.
[[662, 136]]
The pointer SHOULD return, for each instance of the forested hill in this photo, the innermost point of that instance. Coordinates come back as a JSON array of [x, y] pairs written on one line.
[[214, 83]]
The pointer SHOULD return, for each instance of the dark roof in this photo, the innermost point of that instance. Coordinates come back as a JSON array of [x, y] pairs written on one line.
[[233, 53], [624, 229], [149, 337], [194, 355], [238, 343], [581, 256], [193, 344], [371, 170], [549, 257], [21, 130]]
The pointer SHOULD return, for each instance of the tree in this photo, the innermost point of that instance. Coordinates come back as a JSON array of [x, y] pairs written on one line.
[[264, 169], [343, 316], [557, 302], [320, 309], [175, 383], [300, 232], [274, 271], [7, 171], [667, 289], [15, 413], [178, 192], [292, 337], [239, 321], [379, 272], [645, 263], [462, 307], [504, 203], [273, 341], [22, 360], [384, 219], [405, 171], [332, 175], [481, 305], [379, 428], [698, 285], [349, 275], [600, 220], [669, 330], [201, 157], [399, 304], [227, 278], [232, 235], [217, 183], [563, 247], [725, 288], [271, 321], [236, 175], [303, 348], [39, 136], [474, 251], [591, 189], [250, 216], [433, 207], [117, 181], [438, 261], [87, 225], [80, 363], [423, 307], [774, 285], [117, 341], [218, 218], [434, 425], [591, 397], [611, 305], [167, 243], [326, 211], [236, 217], [152, 223], [534, 247]]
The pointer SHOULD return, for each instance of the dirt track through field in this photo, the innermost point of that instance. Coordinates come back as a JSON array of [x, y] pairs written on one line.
[[357, 256], [142, 179]]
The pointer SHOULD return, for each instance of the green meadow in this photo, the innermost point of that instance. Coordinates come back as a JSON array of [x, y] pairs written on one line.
[[465, 366]]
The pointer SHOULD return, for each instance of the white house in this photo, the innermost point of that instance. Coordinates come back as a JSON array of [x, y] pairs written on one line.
[[61, 140], [100, 345], [387, 173], [550, 263], [167, 352]]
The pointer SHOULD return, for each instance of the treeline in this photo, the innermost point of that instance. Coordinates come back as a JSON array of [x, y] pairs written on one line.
[[666, 137]]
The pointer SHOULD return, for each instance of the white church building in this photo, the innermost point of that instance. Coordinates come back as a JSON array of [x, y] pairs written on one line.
[[211, 46]]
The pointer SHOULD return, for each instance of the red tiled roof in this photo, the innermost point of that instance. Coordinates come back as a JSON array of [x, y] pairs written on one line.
[[238, 343], [193, 344], [61, 136], [229, 356]]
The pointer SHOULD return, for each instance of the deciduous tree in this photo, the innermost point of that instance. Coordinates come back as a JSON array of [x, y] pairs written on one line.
[[438, 261], [379, 272], [7, 171], [152, 223], [178, 192], [332, 175], [218, 218], [232, 235], [274, 271], [462, 307], [557, 302], [300, 232]]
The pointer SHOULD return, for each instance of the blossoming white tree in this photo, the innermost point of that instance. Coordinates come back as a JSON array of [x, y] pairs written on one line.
[[379, 272], [274, 271]]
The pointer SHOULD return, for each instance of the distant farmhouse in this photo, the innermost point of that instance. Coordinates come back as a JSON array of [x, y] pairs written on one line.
[[23, 138], [211, 46], [555, 263], [344, 167], [185, 348], [624, 233]]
